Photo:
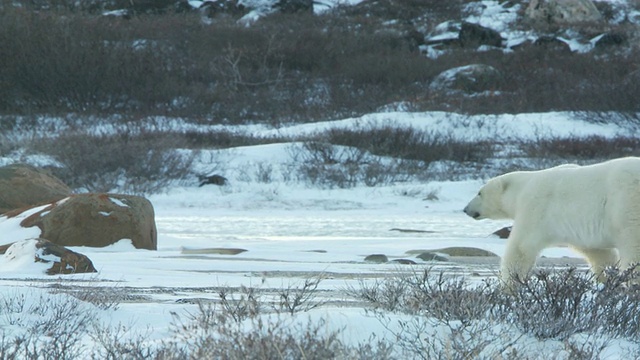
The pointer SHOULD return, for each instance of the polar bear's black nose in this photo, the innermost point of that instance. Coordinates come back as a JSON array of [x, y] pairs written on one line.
[[473, 214]]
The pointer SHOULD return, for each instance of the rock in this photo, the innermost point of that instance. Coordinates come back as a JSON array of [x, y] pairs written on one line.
[[217, 251], [404, 261], [552, 43], [413, 231], [469, 79], [503, 233], [377, 258], [222, 8], [213, 180], [561, 12], [238, 9], [24, 186], [3, 248], [148, 7], [294, 6], [474, 35], [465, 251], [454, 251], [97, 220], [431, 256], [611, 39], [63, 260], [445, 35]]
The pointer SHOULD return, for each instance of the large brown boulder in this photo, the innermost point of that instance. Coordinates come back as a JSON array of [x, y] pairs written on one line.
[[97, 220], [62, 260], [25, 186]]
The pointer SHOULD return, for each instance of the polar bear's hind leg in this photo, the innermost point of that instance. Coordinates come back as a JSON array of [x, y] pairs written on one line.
[[600, 259]]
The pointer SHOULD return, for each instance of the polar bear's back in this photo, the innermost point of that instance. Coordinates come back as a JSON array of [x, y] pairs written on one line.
[[614, 177], [589, 203], [606, 174]]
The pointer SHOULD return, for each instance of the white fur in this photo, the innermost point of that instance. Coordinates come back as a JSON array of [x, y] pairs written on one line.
[[594, 209]]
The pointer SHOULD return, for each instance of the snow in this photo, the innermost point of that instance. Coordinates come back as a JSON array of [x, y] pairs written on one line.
[[19, 259], [292, 231], [10, 229], [118, 202]]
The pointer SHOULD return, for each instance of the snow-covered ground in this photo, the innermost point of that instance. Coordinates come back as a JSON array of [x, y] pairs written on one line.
[[291, 232]]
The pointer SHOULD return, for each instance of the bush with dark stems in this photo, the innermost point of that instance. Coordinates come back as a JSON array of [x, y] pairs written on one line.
[[428, 314], [48, 327], [127, 160], [483, 320], [589, 148], [570, 302], [326, 165], [381, 154], [410, 143], [240, 328]]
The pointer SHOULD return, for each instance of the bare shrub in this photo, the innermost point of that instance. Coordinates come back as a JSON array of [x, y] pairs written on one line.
[[237, 307], [50, 327], [230, 67], [444, 298], [410, 143], [264, 172], [380, 154], [587, 148], [328, 165], [267, 339], [570, 302], [222, 139], [451, 317], [120, 342], [294, 299], [560, 300], [238, 328], [102, 297], [129, 160], [448, 318]]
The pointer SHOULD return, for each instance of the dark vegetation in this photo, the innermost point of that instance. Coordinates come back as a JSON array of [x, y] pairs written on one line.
[[585, 148], [286, 67]]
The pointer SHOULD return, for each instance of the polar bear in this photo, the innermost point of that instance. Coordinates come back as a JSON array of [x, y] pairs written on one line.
[[594, 209]]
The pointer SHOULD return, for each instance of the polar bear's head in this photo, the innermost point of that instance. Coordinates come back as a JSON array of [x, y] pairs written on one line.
[[490, 201]]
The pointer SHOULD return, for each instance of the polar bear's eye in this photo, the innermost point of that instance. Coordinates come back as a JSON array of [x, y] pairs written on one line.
[[479, 193]]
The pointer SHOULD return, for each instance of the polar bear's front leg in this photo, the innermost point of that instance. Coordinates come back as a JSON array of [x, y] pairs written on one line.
[[519, 258]]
